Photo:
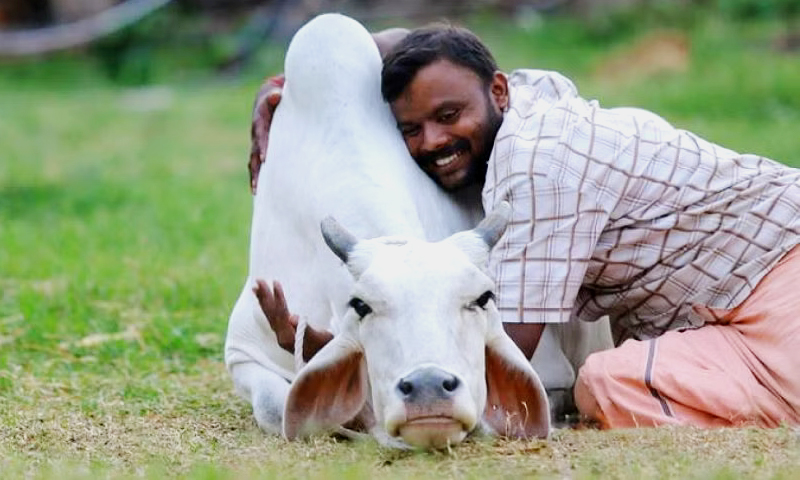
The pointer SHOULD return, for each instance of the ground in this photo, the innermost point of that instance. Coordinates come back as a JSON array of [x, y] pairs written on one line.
[[124, 223]]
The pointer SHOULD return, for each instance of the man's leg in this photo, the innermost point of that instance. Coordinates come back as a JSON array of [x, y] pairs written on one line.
[[697, 377], [741, 371]]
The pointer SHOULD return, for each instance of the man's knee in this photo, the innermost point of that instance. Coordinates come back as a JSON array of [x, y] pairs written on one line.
[[589, 375]]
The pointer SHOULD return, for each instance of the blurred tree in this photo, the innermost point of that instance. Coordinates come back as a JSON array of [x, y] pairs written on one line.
[[24, 13], [787, 10], [759, 8], [64, 11], [104, 17]]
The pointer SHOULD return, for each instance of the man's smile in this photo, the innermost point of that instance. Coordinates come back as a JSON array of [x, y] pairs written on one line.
[[450, 167], [446, 158], [445, 161]]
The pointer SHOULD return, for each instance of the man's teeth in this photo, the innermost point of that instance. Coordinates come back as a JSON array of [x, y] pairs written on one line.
[[444, 161]]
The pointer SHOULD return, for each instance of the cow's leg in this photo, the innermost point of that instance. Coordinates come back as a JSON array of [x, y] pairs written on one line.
[[562, 350], [581, 339], [259, 367], [265, 390], [555, 371]]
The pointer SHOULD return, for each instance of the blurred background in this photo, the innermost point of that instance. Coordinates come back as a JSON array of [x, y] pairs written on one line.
[[124, 138], [135, 42]]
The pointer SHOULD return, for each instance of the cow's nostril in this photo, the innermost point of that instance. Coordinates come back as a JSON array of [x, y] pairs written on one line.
[[405, 387], [427, 384], [450, 384]]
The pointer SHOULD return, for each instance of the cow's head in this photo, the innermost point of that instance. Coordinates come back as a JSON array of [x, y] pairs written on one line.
[[423, 336]]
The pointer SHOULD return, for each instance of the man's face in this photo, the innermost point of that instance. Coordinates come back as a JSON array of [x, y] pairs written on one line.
[[449, 119]]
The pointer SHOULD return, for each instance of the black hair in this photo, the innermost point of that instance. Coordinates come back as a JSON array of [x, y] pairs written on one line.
[[426, 45]]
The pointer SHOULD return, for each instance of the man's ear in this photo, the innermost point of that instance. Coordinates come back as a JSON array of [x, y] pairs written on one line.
[[499, 90]]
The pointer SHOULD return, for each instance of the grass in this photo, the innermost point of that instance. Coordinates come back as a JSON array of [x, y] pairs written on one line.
[[124, 222]]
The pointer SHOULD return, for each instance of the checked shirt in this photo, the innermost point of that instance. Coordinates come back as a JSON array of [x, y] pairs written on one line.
[[616, 212]]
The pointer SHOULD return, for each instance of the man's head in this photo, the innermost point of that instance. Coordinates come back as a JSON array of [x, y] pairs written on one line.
[[447, 95]]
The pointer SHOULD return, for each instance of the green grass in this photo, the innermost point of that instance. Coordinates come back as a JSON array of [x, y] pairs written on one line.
[[737, 91], [123, 245]]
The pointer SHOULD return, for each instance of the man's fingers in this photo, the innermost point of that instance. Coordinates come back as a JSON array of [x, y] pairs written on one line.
[[267, 301], [264, 295], [273, 99], [273, 303], [258, 290], [253, 167], [280, 298]]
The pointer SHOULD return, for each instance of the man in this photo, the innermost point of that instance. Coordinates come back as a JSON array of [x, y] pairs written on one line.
[[688, 247]]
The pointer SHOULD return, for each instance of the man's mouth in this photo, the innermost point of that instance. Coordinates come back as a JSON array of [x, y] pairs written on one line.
[[445, 156], [445, 161]]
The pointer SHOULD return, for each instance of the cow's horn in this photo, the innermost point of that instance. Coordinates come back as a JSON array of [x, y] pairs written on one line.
[[492, 227], [338, 238]]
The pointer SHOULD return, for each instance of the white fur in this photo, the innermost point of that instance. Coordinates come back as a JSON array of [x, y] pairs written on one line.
[[424, 316], [334, 150], [420, 293]]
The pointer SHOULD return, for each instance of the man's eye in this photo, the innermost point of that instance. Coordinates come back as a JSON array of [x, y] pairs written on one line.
[[448, 116], [409, 131], [361, 308], [483, 300]]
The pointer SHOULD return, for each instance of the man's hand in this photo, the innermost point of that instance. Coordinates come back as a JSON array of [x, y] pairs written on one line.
[[273, 304], [284, 323], [267, 99]]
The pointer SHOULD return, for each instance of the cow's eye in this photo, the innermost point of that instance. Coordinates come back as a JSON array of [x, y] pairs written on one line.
[[361, 308], [483, 299]]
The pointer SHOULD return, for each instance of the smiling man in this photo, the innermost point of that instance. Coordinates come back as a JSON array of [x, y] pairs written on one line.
[[688, 247], [448, 97], [448, 112]]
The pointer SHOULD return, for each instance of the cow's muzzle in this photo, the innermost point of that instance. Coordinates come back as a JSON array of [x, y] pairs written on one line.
[[432, 419]]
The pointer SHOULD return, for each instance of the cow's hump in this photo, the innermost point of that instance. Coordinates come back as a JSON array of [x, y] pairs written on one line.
[[332, 54]]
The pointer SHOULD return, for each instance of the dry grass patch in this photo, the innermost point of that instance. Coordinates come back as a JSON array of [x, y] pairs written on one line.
[[194, 427], [123, 245]]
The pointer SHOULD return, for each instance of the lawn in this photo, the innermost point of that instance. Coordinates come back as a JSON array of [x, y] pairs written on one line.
[[124, 223]]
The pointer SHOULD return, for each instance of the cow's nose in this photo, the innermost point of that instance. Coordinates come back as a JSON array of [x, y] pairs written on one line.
[[428, 383]]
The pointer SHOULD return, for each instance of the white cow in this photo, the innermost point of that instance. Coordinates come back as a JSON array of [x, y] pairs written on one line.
[[421, 350], [334, 150]]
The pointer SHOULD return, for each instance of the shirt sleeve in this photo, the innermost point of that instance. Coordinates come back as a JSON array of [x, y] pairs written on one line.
[[542, 164], [546, 84], [540, 262]]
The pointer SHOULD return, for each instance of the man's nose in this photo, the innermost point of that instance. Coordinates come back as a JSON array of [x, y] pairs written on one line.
[[435, 137]]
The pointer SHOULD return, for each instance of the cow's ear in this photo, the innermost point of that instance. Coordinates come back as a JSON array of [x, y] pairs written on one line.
[[516, 401], [329, 391]]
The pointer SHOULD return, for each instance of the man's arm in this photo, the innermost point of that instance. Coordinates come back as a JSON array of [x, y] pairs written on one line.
[[273, 303], [264, 107], [525, 335]]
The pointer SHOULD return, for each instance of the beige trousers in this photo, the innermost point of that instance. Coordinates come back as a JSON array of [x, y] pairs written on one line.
[[743, 369]]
